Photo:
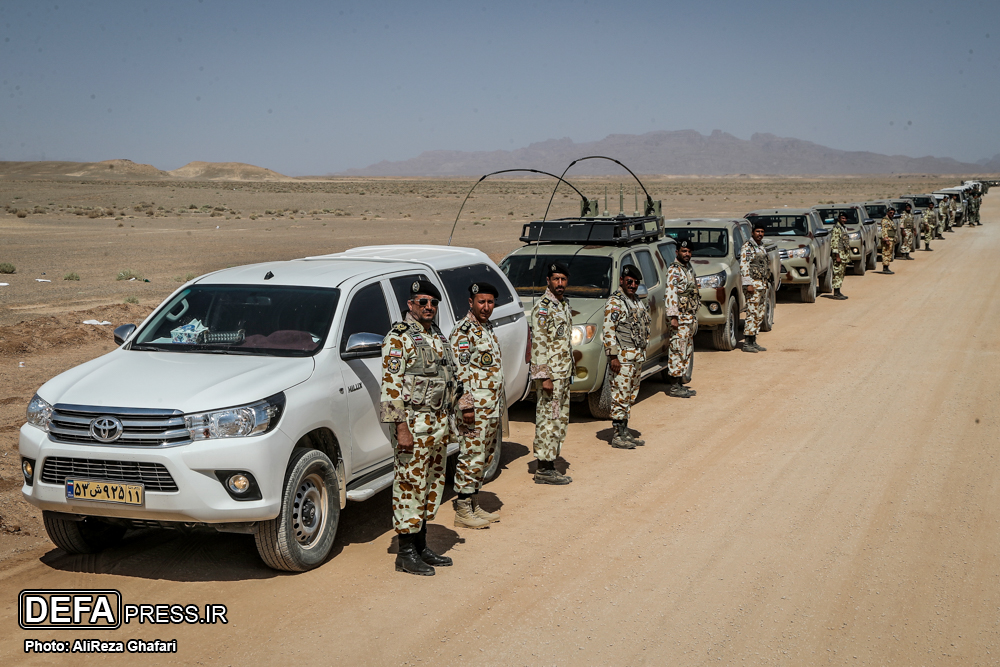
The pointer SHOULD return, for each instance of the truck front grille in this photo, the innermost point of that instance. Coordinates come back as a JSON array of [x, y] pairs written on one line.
[[140, 427], [154, 476]]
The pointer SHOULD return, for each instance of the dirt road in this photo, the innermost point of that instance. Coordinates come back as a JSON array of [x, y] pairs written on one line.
[[832, 501]]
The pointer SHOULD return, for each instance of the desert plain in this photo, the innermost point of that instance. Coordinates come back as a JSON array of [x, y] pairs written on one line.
[[834, 500]]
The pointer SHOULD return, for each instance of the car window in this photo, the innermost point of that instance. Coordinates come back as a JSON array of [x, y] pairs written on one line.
[[366, 314], [457, 281], [401, 289], [589, 275], [782, 225], [668, 251], [738, 240], [649, 276], [704, 242]]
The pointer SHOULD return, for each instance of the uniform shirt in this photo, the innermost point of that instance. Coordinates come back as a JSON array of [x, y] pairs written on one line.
[[840, 244], [887, 228], [631, 316], [551, 346], [399, 352], [752, 255], [906, 220], [681, 295], [477, 353], [930, 218]]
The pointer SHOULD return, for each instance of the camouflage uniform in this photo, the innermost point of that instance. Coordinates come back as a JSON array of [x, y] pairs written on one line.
[[477, 350], [930, 225], [976, 202], [417, 388], [888, 232], [949, 211], [840, 247], [626, 334], [754, 269], [682, 299], [551, 359], [906, 227]]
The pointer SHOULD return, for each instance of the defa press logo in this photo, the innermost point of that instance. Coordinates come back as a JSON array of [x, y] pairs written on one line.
[[69, 609]]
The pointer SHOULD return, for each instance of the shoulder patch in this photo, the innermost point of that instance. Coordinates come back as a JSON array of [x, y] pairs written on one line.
[[400, 327]]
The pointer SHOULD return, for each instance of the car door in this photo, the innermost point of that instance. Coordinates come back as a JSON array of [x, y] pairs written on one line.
[[366, 312], [656, 286], [738, 240]]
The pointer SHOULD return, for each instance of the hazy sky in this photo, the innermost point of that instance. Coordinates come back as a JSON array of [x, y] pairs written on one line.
[[319, 87]]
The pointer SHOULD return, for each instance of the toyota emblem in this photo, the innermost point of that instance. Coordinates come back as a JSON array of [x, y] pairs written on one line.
[[106, 429]]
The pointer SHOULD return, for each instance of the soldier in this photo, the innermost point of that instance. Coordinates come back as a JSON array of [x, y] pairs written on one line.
[[418, 398], [930, 224], [482, 405], [942, 218], [754, 269], [887, 229], [952, 205], [977, 201], [906, 228], [840, 250], [626, 334], [682, 299], [552, 371]]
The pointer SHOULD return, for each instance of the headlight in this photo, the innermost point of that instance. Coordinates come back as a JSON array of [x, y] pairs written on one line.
[[39, 413], [239, 422], [854, 236], [798, 252], [582, 333], [714, 280]]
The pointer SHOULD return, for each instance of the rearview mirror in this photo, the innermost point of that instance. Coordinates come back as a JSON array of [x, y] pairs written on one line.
[[362, 345]]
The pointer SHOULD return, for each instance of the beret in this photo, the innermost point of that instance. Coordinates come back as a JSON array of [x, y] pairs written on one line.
[[758, 223], [483, 288], [684, 244], [556, 267], [632, 271], [425, 287]]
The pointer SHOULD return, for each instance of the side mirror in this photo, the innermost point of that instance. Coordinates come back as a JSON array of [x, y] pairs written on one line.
[[641, 291], [123, 332], [822, 232], [363, 346]]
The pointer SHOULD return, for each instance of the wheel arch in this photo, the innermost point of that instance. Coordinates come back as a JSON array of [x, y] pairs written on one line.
[[324, 440]]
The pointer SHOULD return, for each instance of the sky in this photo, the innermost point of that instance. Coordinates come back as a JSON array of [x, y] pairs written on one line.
[[318, 87]]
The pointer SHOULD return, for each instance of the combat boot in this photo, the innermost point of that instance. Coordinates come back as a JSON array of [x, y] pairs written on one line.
[[886, 271], [689, 390], [631, 436], [492, 517], [426, 555], [676, 389], [620, 439], [837, 295], [408, 560], [547, 474], [750, 344], [465, 516]]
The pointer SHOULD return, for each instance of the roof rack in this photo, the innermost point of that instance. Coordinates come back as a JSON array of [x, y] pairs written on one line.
[[620, 230]]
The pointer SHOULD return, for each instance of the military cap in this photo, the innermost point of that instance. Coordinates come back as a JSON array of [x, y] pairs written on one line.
[[684, 244], [890, 208], [757, 223], [424, 287], [557, 267], [631, 271], [483, 288]]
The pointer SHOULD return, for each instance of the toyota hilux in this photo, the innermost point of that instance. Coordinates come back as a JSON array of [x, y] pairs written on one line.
[[804, 246]]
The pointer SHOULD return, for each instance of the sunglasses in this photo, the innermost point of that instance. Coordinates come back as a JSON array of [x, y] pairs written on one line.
[[424, 302], [630, 281]]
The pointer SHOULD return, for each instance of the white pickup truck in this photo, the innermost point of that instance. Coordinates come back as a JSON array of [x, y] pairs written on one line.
[[247, 401]]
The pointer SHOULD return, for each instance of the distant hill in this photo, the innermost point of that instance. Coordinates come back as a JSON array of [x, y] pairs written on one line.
[[128, 170], [680, 152], [226, 171]]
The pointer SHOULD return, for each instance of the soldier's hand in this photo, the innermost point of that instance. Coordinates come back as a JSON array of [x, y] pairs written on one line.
[[837, 259], [469, 416], [674, 323], [751, 289], [404, 439], [616, 366], [547, 386]]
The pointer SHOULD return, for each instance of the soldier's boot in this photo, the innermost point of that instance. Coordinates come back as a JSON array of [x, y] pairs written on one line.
[[547, 474], [750, 345], [885, 270], [753, 341], [426, 555], [907, 255], [465, 516], [480, 513], [620, 439], [689, 390], [408, 560], [676, 389], [837, 295], [631, 436]]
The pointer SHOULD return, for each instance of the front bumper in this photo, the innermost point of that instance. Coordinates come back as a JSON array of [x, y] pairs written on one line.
[[795, 271], [200, 496]]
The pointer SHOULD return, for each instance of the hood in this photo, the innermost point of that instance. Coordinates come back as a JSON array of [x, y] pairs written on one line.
[[184, 381], [706, 266], [789, 242]]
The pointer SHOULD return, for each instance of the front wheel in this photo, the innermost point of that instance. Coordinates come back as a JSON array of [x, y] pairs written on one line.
[[724, 338], [491, 470], [769, 305], [871, 261], [301, 536], [827, 285], [86, 536], [808, 292], [599, 402]]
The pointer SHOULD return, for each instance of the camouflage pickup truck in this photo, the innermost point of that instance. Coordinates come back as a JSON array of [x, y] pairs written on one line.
[[804, 247], [862, 232], [715, 258]]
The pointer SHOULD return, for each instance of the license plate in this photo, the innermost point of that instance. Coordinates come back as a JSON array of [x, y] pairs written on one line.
[[105, 492]]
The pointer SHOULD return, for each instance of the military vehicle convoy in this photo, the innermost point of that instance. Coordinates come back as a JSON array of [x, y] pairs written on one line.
[[804, 248], [862, 232], [715, 258]]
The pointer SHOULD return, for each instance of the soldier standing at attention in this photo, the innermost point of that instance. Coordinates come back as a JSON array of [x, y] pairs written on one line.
[[887, 228], [978, 199], [754, 271], [840, 249], [418, 397], [930, 224], [942, 218], [552, 369], [951, 208], [482, 405], [626, 334], [682, 299], [906, 227]]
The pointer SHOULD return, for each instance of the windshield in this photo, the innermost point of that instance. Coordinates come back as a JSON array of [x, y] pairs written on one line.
[[242, 319], [876, 211], [782, 225], [921, 202], [704, 242], [589, 275], [830, 215]]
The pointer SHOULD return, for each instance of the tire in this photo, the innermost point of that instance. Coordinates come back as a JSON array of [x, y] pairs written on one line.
[[860, 266], [494, 467], [599, 402], [827, 285], [311, 486], [871, 261], [725, 338], [769, 306], [690, 370], [81, 537], [808, 292]]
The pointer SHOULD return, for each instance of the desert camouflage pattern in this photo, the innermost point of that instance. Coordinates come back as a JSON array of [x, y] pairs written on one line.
[[625, 335], [477, 352], [625, 383], [887, 231], [975, 203], [840, 247], [682, 299], [906, 227], [551, 419], [930, 223], [754, 270], [949, 208], [551, 346], [419, 475]]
